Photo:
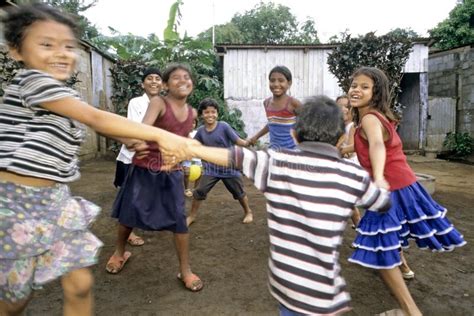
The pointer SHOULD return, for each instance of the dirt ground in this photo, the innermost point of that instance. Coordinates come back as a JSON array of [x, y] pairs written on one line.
[[231, 258]]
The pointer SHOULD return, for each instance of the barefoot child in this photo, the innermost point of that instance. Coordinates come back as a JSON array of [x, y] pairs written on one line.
[[310, 195], [44, 231], [414, 214], [151, 83], [280, 110], [218, 134], [151, 197]]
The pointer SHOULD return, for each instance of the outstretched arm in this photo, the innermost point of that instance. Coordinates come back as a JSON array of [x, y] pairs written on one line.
[[252, 140], [117, 126]]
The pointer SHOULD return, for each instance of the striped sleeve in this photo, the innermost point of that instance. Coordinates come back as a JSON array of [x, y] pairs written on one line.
[[374, 198], [37, 88], [253, 164]]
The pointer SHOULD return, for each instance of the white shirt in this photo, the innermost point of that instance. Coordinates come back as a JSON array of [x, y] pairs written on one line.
[[136, 111]]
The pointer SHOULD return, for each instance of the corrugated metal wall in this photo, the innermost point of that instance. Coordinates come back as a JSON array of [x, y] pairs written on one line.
[[246, 78], [246, 72]]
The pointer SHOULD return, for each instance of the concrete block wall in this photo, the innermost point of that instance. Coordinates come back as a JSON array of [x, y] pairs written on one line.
[[451, 75]]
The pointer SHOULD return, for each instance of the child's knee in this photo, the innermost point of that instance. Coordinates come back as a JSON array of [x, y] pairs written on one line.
[[78, 283]]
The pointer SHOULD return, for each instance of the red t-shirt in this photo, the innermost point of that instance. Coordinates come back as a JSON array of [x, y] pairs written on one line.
[[397, 172]]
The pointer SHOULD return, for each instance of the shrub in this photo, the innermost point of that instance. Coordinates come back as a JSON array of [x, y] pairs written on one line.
[[388, 53], [459, 144]]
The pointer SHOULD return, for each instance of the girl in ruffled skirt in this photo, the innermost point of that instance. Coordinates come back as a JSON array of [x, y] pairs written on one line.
[[413, 214]]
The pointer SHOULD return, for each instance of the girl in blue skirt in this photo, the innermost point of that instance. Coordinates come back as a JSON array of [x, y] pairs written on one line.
[[414, 214]]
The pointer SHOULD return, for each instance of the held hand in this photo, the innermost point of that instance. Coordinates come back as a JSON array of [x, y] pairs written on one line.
[[251, 141], [175, 148], [140, 148], [382, 183]]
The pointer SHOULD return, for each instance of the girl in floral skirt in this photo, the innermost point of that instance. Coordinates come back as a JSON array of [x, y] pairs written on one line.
[[43, 229]]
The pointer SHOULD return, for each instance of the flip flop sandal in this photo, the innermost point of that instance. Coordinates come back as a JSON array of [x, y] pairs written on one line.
[[116, 264], [408, 275], [192, 282], [136, 241]]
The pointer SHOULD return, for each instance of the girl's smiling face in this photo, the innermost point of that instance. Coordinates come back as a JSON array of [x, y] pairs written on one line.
[[180, 84], [279, 85], [361, 91], [50, 47]]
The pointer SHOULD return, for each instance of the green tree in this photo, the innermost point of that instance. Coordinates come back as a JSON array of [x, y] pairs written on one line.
[[458, 29], [76, 7], [267, 23], [135, 53], [408, 33], [389, 53], [307, 33], [223, 33]]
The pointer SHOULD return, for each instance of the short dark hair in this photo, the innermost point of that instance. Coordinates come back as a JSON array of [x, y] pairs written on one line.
[[342, 96], [20, 18], [281, 70], [173, 67], [320, 119], [207, 102], [151, 71]]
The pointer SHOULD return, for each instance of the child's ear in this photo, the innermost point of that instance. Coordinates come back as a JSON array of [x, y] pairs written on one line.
[[295, 137], [15, 54]]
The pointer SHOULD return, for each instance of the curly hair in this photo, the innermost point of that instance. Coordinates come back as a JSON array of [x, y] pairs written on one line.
[[19, 19]]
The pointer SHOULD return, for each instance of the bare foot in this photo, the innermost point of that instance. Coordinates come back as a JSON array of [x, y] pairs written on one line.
[[248, 218], [190, 220]]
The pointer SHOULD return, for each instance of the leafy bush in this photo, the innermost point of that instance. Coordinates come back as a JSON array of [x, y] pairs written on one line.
[[388, 53], [459, 144]]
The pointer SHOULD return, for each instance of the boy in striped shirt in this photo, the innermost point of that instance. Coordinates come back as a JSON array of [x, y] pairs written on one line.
[[310, 195]]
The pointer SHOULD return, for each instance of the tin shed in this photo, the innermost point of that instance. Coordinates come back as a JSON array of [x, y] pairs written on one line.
[[246, 69]]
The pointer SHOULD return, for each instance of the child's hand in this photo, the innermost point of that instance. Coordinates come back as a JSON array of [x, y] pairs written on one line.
[[382, 183], [251, 141], [175, 148], [140, 148]]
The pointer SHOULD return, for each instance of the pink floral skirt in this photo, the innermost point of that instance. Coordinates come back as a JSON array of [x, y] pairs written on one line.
[[44, 234]]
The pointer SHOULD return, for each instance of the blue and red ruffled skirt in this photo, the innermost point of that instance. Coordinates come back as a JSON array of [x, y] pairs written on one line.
[[413, 215]]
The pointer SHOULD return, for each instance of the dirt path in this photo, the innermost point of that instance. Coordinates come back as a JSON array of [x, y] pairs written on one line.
[[231, 258]]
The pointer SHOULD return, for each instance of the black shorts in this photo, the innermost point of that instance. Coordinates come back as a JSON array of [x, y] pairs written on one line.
[[121, 170], [234, 185]]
